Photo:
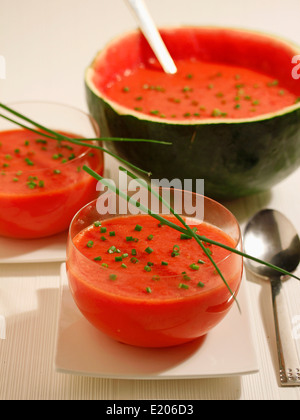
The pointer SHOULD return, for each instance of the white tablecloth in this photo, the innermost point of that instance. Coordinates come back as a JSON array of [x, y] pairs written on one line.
[[46, 46]]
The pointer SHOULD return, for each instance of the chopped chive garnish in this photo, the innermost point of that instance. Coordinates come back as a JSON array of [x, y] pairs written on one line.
[[147, 268], [124, 255], [164, 263], [29, 162], [200, 284], [148, 290], [90, 244], [112, 277], [123, 265], [31, 185], [183, 286], [103, 229], [149, 250], [184, 236], [273, 83], [194, 266], [97, 258], [150, 237], [97, 224], [56, 171], [216, 113], [134, 260], [112, 249], [187, 89], [118, 258], [133, 251], [102, 238], [104, 265], [175, 251], [156, 277], [201, 262], [209, 251], [112, 233], [138, 228]]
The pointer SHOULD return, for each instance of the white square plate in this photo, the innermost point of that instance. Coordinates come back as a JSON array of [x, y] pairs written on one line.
[[82, 350], [15, 251]]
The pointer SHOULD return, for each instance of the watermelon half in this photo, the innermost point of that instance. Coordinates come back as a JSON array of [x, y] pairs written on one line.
[[235, 157]]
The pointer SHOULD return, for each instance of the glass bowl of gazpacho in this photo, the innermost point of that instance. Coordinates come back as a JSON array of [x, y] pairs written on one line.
[[42, 184], [144, 283]]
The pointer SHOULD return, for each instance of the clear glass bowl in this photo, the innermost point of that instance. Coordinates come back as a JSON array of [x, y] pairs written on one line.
[[40, 201], [151, 319]]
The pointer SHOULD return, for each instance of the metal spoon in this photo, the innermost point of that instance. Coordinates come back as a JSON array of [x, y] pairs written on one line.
[[272, 238], [152, 35]]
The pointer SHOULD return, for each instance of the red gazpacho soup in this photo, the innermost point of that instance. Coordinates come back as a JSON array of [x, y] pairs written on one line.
[[42, 184], [146, 284], [199, 90]]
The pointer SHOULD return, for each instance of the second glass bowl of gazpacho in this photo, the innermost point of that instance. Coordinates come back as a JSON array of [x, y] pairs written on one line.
[[146, 284], [42, 184]]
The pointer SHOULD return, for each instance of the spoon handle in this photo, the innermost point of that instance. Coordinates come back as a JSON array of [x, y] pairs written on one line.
[[289, 365], [152, 35]]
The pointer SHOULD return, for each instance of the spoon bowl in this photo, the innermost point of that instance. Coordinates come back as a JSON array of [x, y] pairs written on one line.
[[271, 237]]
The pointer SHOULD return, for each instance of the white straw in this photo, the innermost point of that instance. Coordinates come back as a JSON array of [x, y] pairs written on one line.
[[152, 35]]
